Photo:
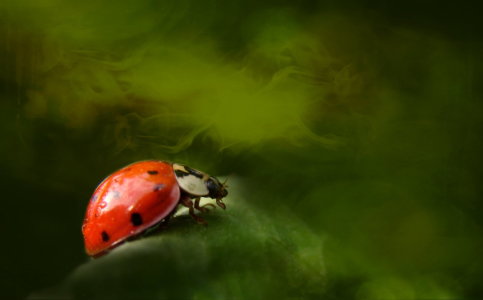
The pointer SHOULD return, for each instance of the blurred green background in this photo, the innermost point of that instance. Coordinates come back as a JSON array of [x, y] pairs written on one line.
[[351, 131]]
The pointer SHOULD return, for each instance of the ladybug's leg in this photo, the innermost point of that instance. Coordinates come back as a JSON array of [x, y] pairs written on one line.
[[185, 201], [220, 203], [202, 208]]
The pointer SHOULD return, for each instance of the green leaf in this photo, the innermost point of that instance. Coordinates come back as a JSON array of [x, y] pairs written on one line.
[[241, 253]]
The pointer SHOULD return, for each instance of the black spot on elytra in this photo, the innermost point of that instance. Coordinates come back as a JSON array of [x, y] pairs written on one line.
[[152, 172], [158, 187], [136, 219], [105, 236]]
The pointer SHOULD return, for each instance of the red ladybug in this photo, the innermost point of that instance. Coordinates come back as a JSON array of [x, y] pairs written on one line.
[[142, 195]]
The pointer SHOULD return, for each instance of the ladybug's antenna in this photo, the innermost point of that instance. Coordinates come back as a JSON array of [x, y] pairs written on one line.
[[226, 180]]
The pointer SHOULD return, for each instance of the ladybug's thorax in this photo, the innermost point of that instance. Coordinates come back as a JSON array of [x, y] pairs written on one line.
[[198, 184], [191, 181]]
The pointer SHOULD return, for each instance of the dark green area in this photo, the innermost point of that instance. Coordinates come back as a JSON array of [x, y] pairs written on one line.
[[225, 260], [351, 131]]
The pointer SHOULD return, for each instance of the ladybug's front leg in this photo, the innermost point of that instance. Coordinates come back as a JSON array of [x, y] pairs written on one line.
[[202, 208], [220, 203], [186, 201]]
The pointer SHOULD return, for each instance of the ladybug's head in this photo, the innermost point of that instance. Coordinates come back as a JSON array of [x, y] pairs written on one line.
[[200, 184], [217, 190]]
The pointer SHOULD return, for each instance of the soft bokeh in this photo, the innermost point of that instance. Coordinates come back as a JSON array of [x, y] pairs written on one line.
[[362, 123]]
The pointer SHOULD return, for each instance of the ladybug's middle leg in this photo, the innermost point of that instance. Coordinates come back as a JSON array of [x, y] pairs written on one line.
[[185, 201], [202, 208]]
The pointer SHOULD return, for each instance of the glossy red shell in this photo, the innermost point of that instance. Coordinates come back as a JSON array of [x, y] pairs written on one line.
[[128, 202]]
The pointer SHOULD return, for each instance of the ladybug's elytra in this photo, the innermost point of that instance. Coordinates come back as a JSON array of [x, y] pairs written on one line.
[[142, 195]]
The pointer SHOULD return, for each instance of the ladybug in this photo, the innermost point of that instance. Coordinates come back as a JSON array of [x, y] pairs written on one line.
[[142, 195]]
